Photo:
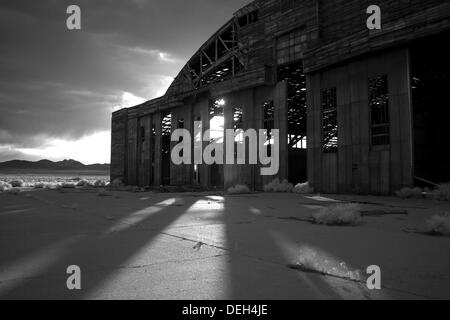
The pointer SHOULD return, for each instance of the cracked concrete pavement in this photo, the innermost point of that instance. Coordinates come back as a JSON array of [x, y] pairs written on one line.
[[213, 246]]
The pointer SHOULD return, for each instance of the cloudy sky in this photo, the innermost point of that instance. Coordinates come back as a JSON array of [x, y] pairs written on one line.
[[59, 87]]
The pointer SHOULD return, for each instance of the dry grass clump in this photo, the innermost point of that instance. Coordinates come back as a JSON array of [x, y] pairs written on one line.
[[238, 189], [16, 183], [83, 183], [442, 192], [277, 186], [338, 215], [117, 183], [99, 183], [439, 224], [39, 185], [13, 191], [406, 193], [303, 188], [4, 186]]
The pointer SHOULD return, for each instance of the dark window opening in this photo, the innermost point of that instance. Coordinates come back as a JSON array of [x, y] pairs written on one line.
[[152, 142], [268, 124], [248, 19], [237, 118], [296, 103], [166, 131], [379, 110], [153, 151], [180, 125], [328, 103], [142, 134], [197, 139], [237, 124]]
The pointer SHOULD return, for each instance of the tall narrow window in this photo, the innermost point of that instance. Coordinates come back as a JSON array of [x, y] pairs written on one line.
[[237, 118], [268, 124], [180, 125], [237, 124], [296, 103], [329, 120], [142, 134], [216, 120], [197, 148], [379, 110], [166, 131], [152, 144]]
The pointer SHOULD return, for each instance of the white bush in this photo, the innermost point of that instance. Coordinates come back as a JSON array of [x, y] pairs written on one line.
[[99, 183], [276, 186], [83, 183], [338, 214], [117, 183], [239, 188], [303, 188], [442, 192], [16, 183], [440, 224], [406, 193], [4, 186]]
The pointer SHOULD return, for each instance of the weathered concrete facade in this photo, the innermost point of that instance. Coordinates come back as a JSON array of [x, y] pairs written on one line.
[[340, 94]]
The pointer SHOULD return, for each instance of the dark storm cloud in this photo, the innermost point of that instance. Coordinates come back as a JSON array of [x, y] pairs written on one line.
[[60, 83]]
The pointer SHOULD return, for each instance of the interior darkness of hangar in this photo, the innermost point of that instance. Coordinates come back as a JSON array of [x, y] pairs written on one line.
[[430, 71], [296, 105]]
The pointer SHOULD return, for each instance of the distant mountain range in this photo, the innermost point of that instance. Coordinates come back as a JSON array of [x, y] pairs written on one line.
[[67, 164]]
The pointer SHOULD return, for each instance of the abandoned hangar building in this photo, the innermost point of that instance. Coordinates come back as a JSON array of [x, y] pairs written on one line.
[[358, 110]]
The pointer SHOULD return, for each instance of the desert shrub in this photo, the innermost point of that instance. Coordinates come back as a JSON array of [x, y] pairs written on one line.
[[239, 188], [442, 192], [338, 214], [303, 188], [4, 186], [66, 185], [99, 183], [83, 183], [117, 183], [406, 193], [13, 191], [439, 224], [276, 186], [16, 183]]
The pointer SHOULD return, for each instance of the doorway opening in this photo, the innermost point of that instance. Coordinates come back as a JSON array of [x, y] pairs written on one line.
[[296, 118], [430, 81]]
